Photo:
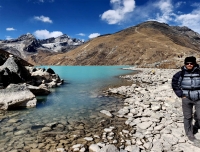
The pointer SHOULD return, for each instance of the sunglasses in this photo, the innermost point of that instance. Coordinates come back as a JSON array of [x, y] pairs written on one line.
[[187, 63]]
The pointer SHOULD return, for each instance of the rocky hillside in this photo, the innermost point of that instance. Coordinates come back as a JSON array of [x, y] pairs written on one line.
[[27, 45], [150, 44]]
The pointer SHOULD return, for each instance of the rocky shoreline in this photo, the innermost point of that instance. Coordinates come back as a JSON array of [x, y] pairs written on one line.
[[153, 113], [147, 119]]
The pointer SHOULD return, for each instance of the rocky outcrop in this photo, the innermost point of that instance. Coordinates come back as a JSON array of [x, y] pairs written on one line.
[[15, 96], [39, 90], [36, 81], [14, 72], [40, 76]]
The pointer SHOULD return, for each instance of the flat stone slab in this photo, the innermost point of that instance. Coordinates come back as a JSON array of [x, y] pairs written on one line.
[[107, 113], [16, 95]]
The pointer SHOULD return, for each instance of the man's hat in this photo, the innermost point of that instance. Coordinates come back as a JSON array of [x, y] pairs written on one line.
[[190, 59]]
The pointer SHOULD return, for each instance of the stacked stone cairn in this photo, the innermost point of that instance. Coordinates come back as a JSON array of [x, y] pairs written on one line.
[[20, 84]]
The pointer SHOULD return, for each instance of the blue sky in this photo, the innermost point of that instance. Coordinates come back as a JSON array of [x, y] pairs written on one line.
[[85, 19]]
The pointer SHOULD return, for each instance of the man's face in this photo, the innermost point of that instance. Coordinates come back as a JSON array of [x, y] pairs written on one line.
[[189, 65]]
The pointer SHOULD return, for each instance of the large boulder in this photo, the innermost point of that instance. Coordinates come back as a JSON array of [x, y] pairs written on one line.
[[42, 76], [7, 77], [12, 71], [15, 96], [11, 64], [49, 70], [41, 90], [37, 81]]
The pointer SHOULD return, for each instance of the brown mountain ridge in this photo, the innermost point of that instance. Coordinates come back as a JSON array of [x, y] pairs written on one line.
[[149, 44]]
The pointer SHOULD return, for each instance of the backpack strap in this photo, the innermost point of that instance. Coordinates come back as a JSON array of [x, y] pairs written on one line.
[[181, 76], [183, 73]]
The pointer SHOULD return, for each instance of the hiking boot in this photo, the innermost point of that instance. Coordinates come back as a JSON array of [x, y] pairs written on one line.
[[191, 138], [195, 129]]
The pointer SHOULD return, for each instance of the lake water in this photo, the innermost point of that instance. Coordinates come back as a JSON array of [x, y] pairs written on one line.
[[78, 99], [80, 90]]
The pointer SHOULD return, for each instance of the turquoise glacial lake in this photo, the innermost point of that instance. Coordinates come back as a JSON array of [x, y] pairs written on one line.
[[81, 90], [79, 99]]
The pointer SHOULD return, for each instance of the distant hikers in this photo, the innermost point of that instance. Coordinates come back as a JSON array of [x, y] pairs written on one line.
[[186, 85]]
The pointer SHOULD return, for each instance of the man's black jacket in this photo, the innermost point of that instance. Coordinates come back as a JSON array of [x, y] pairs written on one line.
[[187, 83]]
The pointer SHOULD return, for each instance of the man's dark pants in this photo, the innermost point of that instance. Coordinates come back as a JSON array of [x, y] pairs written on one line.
[[187, 106]]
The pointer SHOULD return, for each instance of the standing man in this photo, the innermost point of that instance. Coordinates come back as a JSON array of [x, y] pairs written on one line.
[[186, 85]]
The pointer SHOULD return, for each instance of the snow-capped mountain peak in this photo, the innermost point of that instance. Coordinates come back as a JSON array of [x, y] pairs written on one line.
[[27, 43]]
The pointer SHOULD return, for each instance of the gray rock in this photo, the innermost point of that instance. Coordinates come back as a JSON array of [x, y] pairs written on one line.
[[77, 146], [38, 90], [109, 148], [148, 145], [52, 124], [50, 70], [144, 125], [108, 129], [15, 96], [107, 113], [133, 148], [21, 132], [159, 127], [16, 72], [44, 129], [157, 146], [94, 148], [14, 120], [171, 139], [155, 107], [35, 150], [88, 138]]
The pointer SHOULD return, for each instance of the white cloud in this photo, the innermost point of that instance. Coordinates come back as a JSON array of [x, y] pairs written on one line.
[[81, 34], [43, 19], [120, 10], [191, 20], [196, 4], [169, 13], [10, 29], [179, 4], [44, 34], [166, 11], [165, 6], [93, 35], [179, 13], [8, 37]]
